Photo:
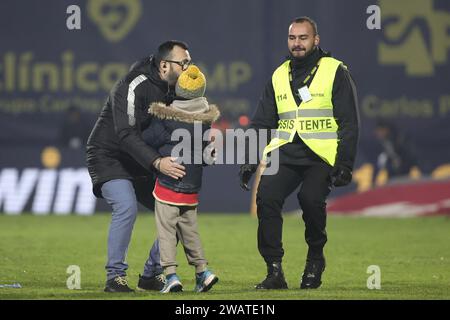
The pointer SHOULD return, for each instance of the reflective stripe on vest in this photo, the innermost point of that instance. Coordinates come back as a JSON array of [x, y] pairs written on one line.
[[313, 120], [306, 113], [316, 135]]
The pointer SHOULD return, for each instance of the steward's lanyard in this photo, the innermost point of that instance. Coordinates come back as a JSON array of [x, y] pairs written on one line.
[[310, 75]]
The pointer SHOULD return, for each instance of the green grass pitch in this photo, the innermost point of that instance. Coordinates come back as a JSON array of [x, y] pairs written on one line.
[[412, 253]]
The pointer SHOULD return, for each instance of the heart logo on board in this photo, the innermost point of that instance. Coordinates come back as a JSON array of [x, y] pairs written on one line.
[[115, 18]]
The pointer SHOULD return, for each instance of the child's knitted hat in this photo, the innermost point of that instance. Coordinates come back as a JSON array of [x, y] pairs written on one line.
[[191, 83]]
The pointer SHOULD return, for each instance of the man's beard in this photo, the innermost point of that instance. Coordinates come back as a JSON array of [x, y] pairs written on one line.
[[172, 77], [307, 54]]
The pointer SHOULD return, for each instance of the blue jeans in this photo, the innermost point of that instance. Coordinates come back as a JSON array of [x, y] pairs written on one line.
[[120, 194]]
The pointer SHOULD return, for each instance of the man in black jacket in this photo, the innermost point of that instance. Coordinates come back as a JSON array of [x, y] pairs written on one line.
[[122, 165], [311, 101]]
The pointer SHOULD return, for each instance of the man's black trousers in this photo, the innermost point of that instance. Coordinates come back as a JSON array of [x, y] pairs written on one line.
[[315, 186]]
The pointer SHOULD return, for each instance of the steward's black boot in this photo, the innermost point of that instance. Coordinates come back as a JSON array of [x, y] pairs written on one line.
[[312, 275], [275, 278]]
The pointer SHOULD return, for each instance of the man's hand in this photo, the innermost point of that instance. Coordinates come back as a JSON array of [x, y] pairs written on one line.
[[210, 154], [170, 167], [245, 173], [340, 176]]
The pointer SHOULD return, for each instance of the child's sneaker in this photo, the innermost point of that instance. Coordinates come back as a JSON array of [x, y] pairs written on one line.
[[204, 281], [173, 284]]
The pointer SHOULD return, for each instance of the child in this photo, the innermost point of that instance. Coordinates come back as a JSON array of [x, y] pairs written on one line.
[[176, 200]]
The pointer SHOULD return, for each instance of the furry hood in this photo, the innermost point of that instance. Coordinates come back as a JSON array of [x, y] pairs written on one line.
[[161, 111]]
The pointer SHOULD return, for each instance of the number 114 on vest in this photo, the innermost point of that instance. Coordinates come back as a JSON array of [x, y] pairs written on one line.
[[281, 97]]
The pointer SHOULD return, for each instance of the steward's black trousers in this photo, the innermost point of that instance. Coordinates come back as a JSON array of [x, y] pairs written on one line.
[[273, 190]]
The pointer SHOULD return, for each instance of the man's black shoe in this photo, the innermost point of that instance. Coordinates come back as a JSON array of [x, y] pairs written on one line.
[[312, 275], [155, 283], [117, 284], [275, 278]]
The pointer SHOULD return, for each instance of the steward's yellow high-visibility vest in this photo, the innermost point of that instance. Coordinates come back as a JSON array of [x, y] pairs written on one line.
[[313, 120]]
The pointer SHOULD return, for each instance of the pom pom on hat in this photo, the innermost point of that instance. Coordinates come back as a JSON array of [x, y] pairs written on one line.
[[191, 83]]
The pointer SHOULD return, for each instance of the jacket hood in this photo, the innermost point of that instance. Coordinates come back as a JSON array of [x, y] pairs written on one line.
[[185, 113], [147, 67]]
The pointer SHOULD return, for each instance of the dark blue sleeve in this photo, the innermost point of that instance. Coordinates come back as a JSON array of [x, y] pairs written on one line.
[[345, 110], [156, 135]]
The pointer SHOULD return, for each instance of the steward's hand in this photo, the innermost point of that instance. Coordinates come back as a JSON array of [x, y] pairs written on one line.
[[245, 174], [340, 176]]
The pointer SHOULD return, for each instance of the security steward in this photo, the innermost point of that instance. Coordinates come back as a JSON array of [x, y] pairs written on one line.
[[311, 101]]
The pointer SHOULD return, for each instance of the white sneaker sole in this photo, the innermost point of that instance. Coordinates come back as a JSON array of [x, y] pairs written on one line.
[[175, 286], [209, 282]]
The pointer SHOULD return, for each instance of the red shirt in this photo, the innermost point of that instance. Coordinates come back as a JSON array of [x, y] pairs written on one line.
[[169, 196]]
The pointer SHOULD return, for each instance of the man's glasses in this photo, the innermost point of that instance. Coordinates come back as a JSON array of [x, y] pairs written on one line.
[[183, 64]]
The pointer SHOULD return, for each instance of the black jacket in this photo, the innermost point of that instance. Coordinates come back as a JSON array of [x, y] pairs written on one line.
[[345, 111], [115, 149], [159, 136]]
